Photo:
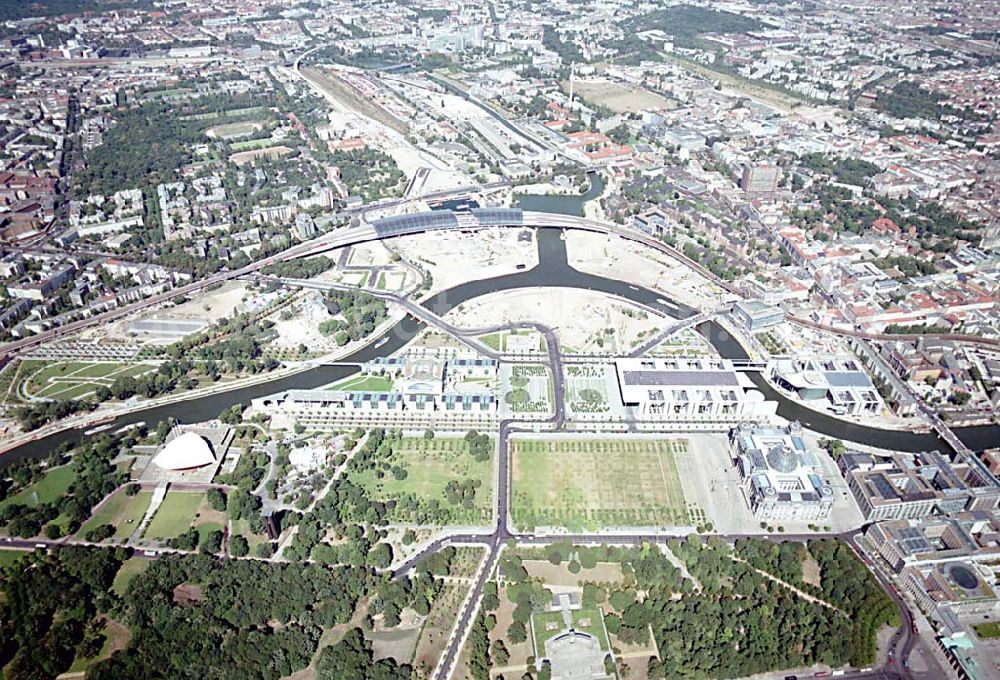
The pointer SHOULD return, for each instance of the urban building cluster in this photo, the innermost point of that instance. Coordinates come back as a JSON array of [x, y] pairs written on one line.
[[817, 184]]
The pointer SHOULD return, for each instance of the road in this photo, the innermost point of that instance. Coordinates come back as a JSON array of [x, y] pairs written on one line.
[[901, 337], [338, 239], [502, 532], [495, 541], [351, 236], [677, 327]]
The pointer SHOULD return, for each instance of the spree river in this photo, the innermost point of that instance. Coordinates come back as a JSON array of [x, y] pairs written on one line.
[[552, 270], [566, 204]]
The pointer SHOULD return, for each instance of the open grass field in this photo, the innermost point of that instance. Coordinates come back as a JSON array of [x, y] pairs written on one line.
[[987, 631], [430, 465], [175, 515], [54, 484], [71, 379], [586, 620], [363, 383], [492, 340], [131, 568], [122, 511], [592, 484], [8, 557], [560, 575]]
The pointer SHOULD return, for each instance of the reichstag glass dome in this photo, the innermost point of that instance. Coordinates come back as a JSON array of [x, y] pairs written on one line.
[[782, 458]]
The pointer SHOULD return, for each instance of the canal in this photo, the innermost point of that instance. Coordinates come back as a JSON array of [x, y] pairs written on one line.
[[552, 270], [568, 204]]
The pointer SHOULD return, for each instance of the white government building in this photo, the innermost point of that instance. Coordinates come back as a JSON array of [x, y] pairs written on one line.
[[783, 479], [838, 380], [426, 390], [682, 388]]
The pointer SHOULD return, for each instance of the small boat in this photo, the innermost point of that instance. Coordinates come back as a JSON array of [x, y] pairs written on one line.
[[101, 424], [95, 430], [126, 428], [381, 342]]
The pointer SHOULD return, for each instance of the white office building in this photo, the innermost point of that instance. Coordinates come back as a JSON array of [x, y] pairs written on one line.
[[689, 388]]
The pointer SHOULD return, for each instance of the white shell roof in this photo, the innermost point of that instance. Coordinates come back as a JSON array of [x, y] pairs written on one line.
[[187, 451]]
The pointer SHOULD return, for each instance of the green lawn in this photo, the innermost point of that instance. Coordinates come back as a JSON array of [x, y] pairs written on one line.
[[205, 528], [241, 527], [131, 568], [8, 557], [589, 620], [592, 484], [549, 624], [493, 341], [430, 465], [175, 515], [544, 627], [54, 484], [74, 379], [121, 510], [364, 383], [987, 630]]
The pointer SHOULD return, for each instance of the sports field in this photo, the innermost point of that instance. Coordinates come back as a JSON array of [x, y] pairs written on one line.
[[618, 97], [72, 379], [430, 464], [233, 130], [592, 484], [252, 144]]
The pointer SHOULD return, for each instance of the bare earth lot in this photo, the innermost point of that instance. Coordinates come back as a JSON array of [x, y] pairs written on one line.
[[618, 97]]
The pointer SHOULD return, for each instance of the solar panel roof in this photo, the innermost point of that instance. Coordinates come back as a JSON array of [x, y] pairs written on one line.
[[681, 378], [847, 379]]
